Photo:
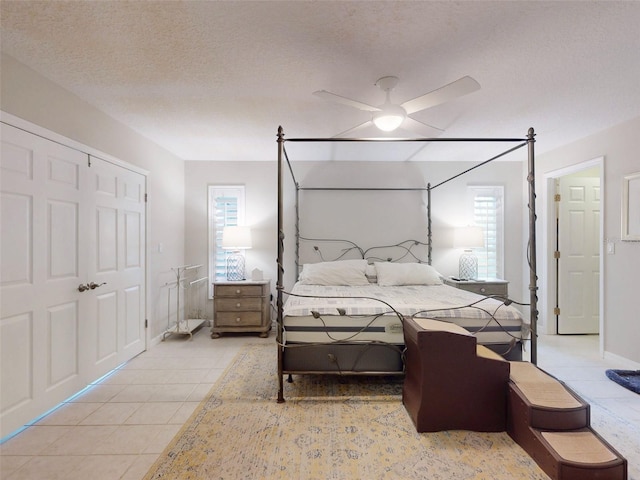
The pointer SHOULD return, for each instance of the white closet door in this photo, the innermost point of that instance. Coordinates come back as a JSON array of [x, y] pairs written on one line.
[[116, 235], [65, 224], [43, 262]]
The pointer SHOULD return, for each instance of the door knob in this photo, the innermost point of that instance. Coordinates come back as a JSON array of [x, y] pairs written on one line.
[[83, 288], [94, 285]]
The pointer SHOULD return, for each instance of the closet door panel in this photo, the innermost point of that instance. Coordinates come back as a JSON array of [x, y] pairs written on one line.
[[62, 235], [16, 278], [16, 203], [106, 247], [17, 225], [133, 240], [133, 207], [16, 336], [133, 305], [106, 338], [40, 313], [61, 269], [63, 343], [117, 263]]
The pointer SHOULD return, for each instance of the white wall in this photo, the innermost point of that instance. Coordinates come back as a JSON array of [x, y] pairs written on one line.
[[29, 96], [329, 213], [259, 179], [377, 224], [618, 145]]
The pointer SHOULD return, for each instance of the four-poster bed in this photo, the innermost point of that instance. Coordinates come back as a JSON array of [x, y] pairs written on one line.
[[360, 330]]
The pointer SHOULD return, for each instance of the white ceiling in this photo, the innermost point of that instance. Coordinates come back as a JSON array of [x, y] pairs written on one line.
[[212, 80]]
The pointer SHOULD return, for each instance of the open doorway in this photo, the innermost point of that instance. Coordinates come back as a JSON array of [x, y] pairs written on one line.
[[572, 250]]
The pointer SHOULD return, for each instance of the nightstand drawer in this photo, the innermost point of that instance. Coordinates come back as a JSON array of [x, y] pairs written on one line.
[[238, 319], [239, 304], [487, 289], [480, 287], [238, 290]]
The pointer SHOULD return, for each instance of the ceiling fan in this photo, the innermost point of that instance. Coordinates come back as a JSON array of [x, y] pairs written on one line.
[[389, 116]]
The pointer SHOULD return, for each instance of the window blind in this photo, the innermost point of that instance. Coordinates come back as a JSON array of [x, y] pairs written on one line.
[[488, 214], [226, 208]]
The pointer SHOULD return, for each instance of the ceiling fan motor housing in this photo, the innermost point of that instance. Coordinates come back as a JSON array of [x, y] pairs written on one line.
[[387, 83]]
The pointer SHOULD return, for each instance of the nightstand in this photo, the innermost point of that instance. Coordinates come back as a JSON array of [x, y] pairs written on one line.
[[493, 286], [242, 306]]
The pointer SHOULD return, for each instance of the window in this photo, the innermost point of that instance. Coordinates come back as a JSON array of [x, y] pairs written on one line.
[[488, 213], [226, 208]]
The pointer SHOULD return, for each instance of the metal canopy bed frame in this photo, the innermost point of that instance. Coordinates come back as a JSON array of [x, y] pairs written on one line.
[[284, 164]]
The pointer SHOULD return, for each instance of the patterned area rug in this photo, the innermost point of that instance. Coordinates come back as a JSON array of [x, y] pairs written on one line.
[[330, 427]]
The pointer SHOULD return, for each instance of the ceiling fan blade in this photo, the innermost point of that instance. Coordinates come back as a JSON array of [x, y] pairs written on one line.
[[332, 97], [355, 129], [423, 129], [450, 91]]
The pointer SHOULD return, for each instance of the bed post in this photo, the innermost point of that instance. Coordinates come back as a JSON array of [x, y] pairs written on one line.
[[429, 223], [297, 226], [279, 286], [533, 277]]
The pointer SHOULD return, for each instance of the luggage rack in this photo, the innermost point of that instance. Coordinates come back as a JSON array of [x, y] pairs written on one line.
[[187, 281]]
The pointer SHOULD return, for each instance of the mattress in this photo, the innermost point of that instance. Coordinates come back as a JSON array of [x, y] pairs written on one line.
[[373, 313]]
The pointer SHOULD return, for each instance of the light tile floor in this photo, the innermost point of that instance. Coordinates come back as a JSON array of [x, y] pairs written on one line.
[[576, 360], [118, 428]]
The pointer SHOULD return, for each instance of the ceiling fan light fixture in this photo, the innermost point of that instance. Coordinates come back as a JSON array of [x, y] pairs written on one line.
[[389, 118]]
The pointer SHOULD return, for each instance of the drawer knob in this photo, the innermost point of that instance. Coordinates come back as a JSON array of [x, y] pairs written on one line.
[[483, 289], [238, 305], [238, 320], [238, 291]]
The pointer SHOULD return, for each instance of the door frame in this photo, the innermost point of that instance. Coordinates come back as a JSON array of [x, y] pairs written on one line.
[[547, 277]]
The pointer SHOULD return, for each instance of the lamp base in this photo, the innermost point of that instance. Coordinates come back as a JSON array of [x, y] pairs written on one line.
[[235, 267], [468, 266]]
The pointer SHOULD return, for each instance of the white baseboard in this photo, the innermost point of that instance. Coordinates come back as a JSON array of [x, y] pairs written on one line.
[[625, 362]]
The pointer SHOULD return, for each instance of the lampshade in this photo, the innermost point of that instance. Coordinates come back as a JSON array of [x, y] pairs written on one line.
[[236, 238], [468, 237], [389, 118]]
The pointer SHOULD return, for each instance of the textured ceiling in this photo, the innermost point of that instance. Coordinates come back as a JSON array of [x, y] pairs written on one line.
[[212, 80]]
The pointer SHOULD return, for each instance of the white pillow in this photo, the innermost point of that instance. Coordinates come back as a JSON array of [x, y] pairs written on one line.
[[343, 272], [390, 274]]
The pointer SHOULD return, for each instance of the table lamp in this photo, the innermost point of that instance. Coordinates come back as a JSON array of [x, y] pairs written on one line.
[[236, 238], [468, 238]]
